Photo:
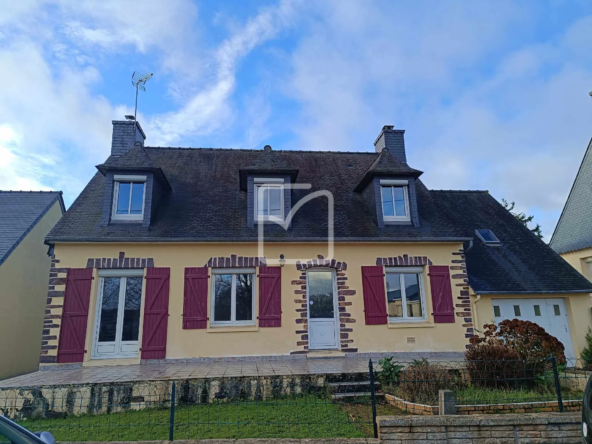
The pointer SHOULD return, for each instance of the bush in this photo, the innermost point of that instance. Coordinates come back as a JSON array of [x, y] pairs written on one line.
[[512, 355], [389, 372], [421, 381], [587, 351]]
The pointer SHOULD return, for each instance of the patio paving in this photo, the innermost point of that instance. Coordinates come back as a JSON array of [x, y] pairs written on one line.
[[197, 370]]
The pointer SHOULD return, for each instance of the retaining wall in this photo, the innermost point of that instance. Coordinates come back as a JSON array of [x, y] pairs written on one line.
[[549, 428]]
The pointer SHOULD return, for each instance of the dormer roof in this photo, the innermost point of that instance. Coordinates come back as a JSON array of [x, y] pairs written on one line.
[[386, 164]]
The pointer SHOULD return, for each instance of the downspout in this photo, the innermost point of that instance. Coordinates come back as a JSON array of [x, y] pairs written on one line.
[[475, 316]]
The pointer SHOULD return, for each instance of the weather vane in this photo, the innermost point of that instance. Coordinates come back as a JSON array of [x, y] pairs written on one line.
[[139, 80]]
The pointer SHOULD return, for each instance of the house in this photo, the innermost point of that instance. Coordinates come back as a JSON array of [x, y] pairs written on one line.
[[572, 237], [25, 219], [160, 259]]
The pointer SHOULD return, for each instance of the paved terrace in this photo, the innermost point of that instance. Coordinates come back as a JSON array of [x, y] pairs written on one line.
[[206, 369]]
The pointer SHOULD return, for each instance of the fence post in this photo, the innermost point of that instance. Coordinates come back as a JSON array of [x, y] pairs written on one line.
[[557, 384], [172, 417], [373, 398]]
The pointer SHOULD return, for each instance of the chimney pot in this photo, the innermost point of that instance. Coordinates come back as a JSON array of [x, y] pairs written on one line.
[[267, 147], [129, 117]]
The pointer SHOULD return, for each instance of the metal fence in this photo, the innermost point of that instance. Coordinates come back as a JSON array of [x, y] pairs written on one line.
[[311, 406]]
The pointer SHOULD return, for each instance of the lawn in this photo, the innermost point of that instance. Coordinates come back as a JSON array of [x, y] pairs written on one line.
[[474, 395], [295, 418]]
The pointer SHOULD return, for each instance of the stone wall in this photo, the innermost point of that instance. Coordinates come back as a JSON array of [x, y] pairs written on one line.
[[546, 428]]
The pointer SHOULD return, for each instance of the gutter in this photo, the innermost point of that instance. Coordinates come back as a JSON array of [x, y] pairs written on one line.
[[256, 239], [535, 292]]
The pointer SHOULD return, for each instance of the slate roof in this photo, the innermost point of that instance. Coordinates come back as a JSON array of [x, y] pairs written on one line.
[[521, 264], [19, 213], [205, 203], [574, 229]]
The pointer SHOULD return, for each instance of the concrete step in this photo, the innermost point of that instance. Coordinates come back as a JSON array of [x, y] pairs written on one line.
[[356, 395]]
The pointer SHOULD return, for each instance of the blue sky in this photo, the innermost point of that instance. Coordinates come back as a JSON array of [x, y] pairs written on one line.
[[492, 95]]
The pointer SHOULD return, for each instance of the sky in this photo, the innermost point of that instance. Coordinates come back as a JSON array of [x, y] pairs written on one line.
[[492, 95]]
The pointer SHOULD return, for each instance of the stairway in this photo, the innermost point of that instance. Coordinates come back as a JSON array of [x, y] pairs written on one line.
[[351, 387]]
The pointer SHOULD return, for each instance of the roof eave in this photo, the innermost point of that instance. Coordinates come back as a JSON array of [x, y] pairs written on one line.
[[158, 173], [244, 173], [371, 174]]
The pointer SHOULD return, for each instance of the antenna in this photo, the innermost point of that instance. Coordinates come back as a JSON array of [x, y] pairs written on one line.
[[139, 80]]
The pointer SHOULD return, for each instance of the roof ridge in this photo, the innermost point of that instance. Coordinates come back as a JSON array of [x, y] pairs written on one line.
[[31, 191], [256, 150]]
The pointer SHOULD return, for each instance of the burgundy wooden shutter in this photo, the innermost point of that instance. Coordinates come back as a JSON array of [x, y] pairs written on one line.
[[156, 313], [195, 300], [374, 295], [75, 315], [270, 297], [441, 294]]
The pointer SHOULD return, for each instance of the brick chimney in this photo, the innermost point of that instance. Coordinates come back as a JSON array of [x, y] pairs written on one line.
[[393, 140], [125, 134]]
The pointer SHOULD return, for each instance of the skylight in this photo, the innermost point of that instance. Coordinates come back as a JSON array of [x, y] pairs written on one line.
[[487, 237]]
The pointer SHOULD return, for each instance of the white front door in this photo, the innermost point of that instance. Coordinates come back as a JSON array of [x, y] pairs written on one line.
[[323, 314], [551, 314], [117, 325]]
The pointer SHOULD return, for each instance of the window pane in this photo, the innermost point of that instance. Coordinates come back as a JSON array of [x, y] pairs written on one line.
[[556, 310], [496, 311], [109, 307], [516, 310], [123, 197], [131, 313], [137, 198], [320, 293], [413, 301], [393, 295], [262, 201], [275, 201], [537, 310], [223, 290], [387, 202], [244, 297], [399, 201]]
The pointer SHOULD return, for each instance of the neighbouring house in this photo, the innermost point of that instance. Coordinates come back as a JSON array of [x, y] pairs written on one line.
[[158, 259], [572, 238], [25, 219]]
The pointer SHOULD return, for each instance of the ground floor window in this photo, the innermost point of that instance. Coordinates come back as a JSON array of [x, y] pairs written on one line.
[[405, 295], [233, 297], [118, 314]]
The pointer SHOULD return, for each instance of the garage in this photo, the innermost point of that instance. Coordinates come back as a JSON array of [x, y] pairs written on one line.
[[551, 314]]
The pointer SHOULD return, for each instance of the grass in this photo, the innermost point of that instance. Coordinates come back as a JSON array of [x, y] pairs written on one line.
[[306, 417], [474, 395]]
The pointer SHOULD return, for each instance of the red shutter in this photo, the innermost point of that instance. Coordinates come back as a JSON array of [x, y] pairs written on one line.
[[374, 295], [195, 300], [75, 315], [156, 312], [270, 297], [441, 294]]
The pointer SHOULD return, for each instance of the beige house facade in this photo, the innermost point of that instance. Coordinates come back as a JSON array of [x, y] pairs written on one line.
[[25, 219], [179, 255]]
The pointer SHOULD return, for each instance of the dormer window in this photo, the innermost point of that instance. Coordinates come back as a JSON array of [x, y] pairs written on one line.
[[395, 200], [128, 198], [269, 199]]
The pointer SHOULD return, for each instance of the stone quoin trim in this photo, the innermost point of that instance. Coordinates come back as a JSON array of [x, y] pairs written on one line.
[[458, 272], [343, 293], [236, 261], [55, 298]]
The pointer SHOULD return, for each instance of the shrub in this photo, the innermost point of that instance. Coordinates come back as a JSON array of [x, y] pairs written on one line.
[[512, 355], [587, 351], [389, 372], [421, 381]]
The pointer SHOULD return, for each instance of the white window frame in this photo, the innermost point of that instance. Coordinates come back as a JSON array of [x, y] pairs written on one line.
[[121, 308], [385, 183], [268, 183], [407, 270], [133, 179], [233, 272]]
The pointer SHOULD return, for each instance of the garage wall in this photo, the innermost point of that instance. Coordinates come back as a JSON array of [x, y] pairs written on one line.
[[578, 310], [577, 259]]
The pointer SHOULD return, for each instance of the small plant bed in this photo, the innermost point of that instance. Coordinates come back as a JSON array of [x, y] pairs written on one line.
[[306, 417]]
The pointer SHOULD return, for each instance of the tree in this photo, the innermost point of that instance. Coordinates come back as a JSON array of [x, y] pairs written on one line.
[[522, 218]]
